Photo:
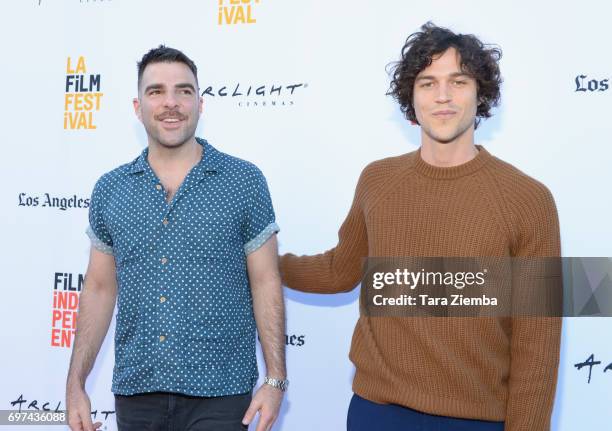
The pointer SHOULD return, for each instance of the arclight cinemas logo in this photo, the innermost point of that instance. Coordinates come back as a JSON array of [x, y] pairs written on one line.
[[256, 95]]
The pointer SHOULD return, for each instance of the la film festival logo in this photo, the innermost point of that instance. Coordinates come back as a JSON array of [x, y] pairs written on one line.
[[83, 96], [233, 12], [66, 290]]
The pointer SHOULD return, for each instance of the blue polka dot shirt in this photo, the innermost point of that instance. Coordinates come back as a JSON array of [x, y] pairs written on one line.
[[185, 319]]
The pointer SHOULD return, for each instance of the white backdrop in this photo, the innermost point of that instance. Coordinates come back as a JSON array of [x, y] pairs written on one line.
[[311, 145]]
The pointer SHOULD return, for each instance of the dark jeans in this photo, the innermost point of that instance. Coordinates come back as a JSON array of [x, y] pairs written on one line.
[[162, 411], [364, 415]]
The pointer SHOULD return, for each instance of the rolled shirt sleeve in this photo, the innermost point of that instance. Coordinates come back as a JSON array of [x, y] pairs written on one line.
[[260, 223], [97, 230]]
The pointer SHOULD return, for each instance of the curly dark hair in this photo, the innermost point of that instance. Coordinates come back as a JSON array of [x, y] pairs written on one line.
[[479, 60]]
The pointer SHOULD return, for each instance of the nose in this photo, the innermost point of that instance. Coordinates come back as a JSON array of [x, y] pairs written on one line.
[[444, 93], [170, 100]]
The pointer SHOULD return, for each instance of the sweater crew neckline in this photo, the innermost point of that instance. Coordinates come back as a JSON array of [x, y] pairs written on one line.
[[448, 173]]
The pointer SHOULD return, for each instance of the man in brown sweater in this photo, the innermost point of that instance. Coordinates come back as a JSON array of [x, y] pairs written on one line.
[[450, 198]]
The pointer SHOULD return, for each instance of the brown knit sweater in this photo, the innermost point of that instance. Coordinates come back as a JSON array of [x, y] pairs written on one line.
[[498, 369]]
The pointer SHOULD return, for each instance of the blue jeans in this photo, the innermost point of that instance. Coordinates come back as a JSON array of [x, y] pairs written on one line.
[[364, 415]]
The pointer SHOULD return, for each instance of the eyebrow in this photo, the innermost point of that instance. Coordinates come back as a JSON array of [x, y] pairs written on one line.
[[153, 87], [452, 75], [160, 86], [185, 85]]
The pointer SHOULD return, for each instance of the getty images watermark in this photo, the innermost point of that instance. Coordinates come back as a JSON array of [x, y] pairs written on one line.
[[487, 287], [15, 417]]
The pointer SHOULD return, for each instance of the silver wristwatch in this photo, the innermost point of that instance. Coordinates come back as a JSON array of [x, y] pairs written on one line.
[[276, 383]]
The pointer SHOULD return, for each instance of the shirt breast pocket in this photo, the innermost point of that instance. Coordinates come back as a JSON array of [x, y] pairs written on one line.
[[135, 226], [212, 235], [133, 243]]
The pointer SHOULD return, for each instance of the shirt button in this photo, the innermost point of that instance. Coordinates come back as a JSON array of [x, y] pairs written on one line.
[[158, 187], [162, 299], [164, 260], [165, 222], [162, 338]]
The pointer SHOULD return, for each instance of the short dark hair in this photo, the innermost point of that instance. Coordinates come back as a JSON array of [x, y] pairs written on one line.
[[165, 54], [479, 60]]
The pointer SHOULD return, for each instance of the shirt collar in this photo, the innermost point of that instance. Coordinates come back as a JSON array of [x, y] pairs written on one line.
[[210, 162]]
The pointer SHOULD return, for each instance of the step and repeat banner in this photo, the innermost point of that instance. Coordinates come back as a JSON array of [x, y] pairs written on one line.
[[298, 88]]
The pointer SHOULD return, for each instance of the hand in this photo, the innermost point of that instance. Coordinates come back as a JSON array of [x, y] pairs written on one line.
[[267, 401], [79, 410]]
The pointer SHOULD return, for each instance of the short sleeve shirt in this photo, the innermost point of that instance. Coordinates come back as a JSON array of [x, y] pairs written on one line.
[[185, 319]]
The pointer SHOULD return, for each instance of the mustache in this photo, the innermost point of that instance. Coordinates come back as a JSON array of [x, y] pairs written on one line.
[[170, 114]]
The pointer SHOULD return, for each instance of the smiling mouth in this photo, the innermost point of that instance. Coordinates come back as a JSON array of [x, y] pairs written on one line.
[[172, 123]]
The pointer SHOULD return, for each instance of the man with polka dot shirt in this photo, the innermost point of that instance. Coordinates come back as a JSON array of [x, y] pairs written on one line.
[[184, 240]]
